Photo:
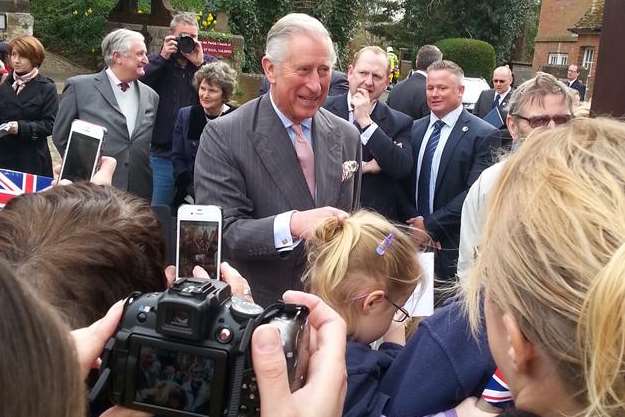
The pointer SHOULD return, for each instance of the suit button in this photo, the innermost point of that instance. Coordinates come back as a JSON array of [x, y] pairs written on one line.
[[125, 164]]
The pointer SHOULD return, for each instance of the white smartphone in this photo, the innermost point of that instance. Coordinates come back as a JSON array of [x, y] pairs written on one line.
[[83, 151], [198, 240]]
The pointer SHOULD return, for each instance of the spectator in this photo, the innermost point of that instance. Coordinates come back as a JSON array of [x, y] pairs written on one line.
[[82, 247], [115, 99], [385, 133], [280, 164], [551, 270], [5, 60], [28, 103], [170, 74], [215, 82], [408, 96], [497, 96], [451, 149], [572, 76], [542, 101]]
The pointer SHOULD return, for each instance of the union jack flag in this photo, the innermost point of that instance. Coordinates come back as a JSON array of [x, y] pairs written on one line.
[[497, 392], [14, 183]]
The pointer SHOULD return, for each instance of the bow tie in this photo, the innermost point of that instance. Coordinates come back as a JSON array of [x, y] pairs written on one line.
[[123, 86]]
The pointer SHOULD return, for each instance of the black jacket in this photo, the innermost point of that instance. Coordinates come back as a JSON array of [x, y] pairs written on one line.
[[35, 110], [390, 147], [408, 96]]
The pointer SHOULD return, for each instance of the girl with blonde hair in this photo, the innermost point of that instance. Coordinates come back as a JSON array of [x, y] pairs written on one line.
[[552, 270]]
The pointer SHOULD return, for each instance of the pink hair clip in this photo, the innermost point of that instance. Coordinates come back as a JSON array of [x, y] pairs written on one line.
[[385, 244]]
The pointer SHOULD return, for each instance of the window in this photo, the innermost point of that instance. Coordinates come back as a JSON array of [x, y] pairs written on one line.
[[558, 58], [587, 57]]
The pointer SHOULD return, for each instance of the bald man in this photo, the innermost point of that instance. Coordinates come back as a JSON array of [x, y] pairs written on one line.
[[498, 96]]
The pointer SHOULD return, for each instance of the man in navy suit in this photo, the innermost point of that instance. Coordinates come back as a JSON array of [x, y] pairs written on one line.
[[572, 76], [450, 150], [384, 134]]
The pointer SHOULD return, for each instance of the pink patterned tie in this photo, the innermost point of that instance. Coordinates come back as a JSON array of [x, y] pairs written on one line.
[[306, 158]]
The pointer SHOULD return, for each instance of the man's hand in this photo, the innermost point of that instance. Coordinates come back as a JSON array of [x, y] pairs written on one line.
[[170, 47], [362, 107], [196, 57], [303, 223], [326, 383], [371, 167], [419, 234]]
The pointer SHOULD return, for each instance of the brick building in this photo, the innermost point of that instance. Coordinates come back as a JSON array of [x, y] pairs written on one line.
[[568, 33]]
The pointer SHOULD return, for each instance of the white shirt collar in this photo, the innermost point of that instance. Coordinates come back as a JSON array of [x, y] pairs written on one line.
[[425, 74], [505, 93], [285, 120], [116, 81], [449, 119]]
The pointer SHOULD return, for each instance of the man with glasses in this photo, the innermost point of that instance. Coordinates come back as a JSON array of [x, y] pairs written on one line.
[[497, 96], [542, 101], [572, 76]]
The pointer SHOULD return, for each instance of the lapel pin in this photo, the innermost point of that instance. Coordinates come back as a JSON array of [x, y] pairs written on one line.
[[465, 129]]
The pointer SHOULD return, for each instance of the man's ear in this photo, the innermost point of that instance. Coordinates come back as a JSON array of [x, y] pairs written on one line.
[[270, 69], [521, 351], [372, 301], [512, 127]]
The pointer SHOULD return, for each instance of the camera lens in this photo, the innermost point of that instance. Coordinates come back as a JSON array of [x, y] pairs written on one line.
[[186, 44]]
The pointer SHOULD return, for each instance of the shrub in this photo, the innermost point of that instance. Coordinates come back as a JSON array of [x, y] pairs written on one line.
[[477, 58]]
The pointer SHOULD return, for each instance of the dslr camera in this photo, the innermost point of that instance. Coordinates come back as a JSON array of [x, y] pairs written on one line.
[[186, 44], [185, 352]]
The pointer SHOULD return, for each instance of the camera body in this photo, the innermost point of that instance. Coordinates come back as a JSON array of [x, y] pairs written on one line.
[[185, 352], [186, 44]]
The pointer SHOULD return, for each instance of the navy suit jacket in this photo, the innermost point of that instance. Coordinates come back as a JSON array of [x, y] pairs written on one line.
[[390, 147], [408, 96], [468, 151], [580, 87]]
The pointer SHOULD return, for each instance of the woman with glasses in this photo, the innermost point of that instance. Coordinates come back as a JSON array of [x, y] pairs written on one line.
[[551, 271]]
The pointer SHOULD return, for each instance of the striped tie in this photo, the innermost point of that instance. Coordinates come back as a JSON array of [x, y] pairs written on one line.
[[306, 158], [423, 200]]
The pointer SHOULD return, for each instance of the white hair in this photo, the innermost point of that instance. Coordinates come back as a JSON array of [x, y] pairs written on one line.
[[291, 24], [118, 41]]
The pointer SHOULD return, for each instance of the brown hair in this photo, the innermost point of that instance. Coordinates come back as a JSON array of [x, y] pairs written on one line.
[[39, 372], [220, 74], [553, 256], [82, 247], [341, 254], [29, 47]]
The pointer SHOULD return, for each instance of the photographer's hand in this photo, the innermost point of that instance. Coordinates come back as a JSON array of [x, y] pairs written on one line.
[[196, 57], [90, 342], [324, 392], [169, 47]]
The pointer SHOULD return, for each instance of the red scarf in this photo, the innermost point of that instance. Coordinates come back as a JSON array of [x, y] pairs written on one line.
[[21, 80]]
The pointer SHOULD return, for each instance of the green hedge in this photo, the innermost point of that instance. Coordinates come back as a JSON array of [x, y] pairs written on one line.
[[477, 58]]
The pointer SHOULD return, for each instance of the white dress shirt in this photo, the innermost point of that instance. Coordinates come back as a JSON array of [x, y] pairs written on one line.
[[128, 100], [450, 120]]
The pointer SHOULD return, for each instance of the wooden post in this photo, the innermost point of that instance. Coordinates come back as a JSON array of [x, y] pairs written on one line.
[[609, 95]]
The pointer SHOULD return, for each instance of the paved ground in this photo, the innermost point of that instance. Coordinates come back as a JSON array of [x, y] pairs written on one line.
[[60, 69]]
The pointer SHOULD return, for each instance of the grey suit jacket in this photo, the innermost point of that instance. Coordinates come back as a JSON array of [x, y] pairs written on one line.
[[247, 164], [90, 98]]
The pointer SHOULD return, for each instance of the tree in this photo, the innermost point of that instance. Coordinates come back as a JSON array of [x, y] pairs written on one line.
[[498, 22]]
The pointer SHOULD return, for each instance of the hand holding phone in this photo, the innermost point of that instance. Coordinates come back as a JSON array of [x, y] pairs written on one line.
[[83, 151], [198, 240]]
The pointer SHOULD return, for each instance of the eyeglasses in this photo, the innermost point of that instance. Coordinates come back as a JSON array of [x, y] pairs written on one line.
[[401, 315], [542, 121]]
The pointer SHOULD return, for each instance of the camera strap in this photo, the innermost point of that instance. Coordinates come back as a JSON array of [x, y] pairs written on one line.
[[239, 367]]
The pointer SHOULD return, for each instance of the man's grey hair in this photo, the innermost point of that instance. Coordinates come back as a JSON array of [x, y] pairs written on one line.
[[186, 18], [118, 41], [426, 56], [292, 24], [449, 66], [535, 89]]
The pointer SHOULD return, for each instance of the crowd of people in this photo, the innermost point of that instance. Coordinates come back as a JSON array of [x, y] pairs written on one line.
[[332, 195]]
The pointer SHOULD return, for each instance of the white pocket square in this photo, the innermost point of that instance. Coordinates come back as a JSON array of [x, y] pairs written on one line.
[[349, 168]]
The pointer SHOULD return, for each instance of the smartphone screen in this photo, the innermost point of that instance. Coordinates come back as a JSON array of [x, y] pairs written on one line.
[[198, 245], [80, 157]]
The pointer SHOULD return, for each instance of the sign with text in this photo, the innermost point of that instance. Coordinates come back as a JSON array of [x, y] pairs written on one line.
[[217, 48]]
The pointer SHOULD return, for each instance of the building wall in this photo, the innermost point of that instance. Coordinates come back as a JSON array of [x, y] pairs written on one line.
[[556, 16]]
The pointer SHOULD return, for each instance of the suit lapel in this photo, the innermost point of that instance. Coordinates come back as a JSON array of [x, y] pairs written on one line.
[[141, 96], [328, 160], [460, 128], [275, 149], [338, 106], [104, 87]]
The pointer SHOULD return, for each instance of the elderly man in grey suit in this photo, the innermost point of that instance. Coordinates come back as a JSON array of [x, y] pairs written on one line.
[[113, 98], [280, 164]]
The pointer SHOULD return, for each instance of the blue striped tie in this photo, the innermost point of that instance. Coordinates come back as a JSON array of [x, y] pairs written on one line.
[[423, 199]]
